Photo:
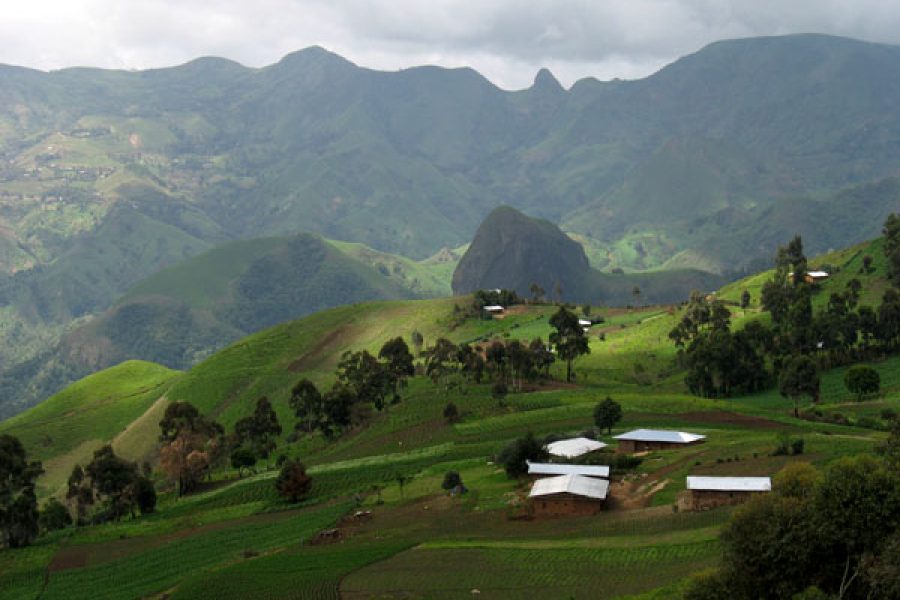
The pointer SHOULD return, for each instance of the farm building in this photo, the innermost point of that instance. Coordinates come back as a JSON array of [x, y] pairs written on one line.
[[812, 276], [574, 447], [640, 440], [703, 493], [494, 310], [568, 495], [545, 469]]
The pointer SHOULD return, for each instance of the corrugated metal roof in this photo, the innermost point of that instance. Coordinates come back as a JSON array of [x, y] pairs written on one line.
[[660, 435], [554, 469], [730, 484], [574, 447], [589, 487], [818, 273], [493, 308], [584, 322]]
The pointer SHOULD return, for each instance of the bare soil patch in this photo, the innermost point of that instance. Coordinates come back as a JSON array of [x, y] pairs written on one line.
[[304, 362], [717, 417]]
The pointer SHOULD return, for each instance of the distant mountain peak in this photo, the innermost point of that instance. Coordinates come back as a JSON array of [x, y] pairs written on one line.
[[546, 82], [314, 54]]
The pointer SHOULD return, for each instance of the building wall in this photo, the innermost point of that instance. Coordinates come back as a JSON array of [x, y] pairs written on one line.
[[565, 504], [631, 446], [707, 499]]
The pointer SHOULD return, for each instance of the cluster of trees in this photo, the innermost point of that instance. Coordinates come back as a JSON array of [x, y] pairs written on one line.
[[191, 444], [362, 381], [831, 534], [798, 343], [111, 485], [18, 502]]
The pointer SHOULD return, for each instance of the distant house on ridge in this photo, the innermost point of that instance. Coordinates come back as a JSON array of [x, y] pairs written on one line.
[[568, 495]]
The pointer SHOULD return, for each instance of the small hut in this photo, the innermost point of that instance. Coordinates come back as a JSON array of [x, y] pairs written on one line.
[[574, 447], [641, 440], [568, 495], [704, 493]]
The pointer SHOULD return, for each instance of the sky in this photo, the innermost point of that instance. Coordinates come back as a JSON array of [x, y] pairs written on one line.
[[505, 40]]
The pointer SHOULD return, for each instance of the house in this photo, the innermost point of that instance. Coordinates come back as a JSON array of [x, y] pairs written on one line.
[[545, 469], [574, 447], [812, 276], [704, 493], [568, 495], [494, 310], [640, 440]]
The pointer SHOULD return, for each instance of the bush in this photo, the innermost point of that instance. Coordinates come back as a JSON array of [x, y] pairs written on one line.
[[706, 585], [888, 414], [451, 413], [242, 458], [797, 446], [293, 483], [868, 423], [54, 516], [452, 480], [782, 443], [862, 380], [515, 455]]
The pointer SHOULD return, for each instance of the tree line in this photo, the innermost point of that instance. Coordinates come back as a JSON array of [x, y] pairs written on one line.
[[799, 342]]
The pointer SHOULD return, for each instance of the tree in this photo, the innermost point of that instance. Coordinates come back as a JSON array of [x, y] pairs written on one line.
[[745, 299], [399, 363], [18, 502], [452, 480], [293, 483], [242, 458], [515, 456], [119, 485], [451, 413], [402, 479], [867, 264], [499, 391], [568, 338], [891, 233], [186, 459], [607, 413], [417, 341], [54, 516], [799, 378], [440, 360], [308, 405], [369, 380], [183, 416], [260, 430], [862, 380], [537, 292], [79, 494]]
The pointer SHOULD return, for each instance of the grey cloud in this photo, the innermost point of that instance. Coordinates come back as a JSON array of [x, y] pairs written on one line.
[[506, 40]]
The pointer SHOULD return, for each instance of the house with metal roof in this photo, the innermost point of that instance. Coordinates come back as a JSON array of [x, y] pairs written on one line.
[[568, 495], [546, 469], [704, 493], [574, 447], [641, 440]]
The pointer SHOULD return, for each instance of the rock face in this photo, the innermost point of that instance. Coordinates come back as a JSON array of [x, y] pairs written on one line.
[[512, 251]]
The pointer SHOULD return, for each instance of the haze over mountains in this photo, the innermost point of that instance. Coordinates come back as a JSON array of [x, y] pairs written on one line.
[[109, 176]]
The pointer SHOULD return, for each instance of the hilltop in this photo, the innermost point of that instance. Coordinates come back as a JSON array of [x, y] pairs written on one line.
[[513, 251]]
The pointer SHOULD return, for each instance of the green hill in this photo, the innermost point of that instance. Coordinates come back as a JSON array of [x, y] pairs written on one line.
[[514, 251], [236, 538], [108, 177], [184, 313]]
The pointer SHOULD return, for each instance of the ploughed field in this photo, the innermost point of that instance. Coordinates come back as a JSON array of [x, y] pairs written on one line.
[[235, 538]]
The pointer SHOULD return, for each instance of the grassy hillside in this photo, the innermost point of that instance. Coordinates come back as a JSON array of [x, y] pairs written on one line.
[[236, 538]]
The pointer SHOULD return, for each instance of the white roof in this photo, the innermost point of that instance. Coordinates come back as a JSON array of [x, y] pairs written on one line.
[[493, 308], [589, 487], [660, 435], [817, 274], [574, 447], [584, 322], [730, 484], [554, 469]]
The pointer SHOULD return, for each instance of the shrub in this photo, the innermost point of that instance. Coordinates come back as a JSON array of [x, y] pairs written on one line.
[[293, 483], [782, 443], [515, 455], [451, 413], [888, 414], [868, 423], [452, 480], [862, 380], [797, 446], [54, 516]]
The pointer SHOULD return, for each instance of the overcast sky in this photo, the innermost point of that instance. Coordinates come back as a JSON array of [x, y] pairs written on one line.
[[505, 40]]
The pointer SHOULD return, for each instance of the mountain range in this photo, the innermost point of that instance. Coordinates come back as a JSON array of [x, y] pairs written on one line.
[[107, 177]]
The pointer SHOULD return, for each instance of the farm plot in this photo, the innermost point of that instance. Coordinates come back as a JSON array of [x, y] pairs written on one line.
[[529, 573]]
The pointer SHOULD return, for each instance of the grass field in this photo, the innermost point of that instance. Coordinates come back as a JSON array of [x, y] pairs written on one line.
[[235, 538]]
